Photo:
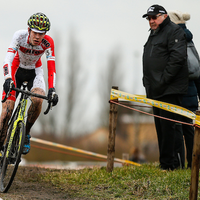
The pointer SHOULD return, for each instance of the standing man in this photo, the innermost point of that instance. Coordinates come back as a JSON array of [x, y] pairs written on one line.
[[190, 100], [23, 63], [165, 78]]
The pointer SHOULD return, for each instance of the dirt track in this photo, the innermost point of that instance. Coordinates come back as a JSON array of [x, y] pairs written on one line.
[[26, 186]]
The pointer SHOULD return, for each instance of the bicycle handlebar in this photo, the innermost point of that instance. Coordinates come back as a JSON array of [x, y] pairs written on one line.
[[29, 94]]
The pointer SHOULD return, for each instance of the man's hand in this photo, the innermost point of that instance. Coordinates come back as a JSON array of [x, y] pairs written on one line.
[[7, 83], [52, 96]]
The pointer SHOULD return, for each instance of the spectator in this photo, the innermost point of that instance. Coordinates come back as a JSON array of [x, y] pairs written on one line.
[[190, 100], [165, 78]]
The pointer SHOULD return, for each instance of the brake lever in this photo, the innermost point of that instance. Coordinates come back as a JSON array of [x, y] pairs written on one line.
[[49, 103], [48, 108]]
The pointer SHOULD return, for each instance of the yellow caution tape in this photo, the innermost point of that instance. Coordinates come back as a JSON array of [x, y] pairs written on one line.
[[81, 151], [117, 94]]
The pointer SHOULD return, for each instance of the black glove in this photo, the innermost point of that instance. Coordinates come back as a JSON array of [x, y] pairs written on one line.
[[6, 85], [52, 96]]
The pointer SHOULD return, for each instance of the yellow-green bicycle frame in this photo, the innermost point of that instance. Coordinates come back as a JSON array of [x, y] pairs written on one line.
[[20, 118]]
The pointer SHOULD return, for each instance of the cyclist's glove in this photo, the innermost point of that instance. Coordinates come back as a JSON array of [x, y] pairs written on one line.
[[52, 96], [6, 85]]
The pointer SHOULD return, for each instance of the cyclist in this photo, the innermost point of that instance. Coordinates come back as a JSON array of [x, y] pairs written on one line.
[[23, 63]]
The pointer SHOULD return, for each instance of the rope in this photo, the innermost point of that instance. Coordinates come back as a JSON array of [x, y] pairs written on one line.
[[73, 154], [103, 157], [115, 102]]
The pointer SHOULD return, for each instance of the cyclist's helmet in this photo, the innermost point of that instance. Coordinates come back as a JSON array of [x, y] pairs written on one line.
[[39, 21]]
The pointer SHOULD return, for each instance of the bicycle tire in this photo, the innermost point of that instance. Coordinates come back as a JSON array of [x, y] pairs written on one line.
[[10, 127], [10, 163]]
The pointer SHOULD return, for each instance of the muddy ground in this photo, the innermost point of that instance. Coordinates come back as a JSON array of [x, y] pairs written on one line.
[[25, 187]]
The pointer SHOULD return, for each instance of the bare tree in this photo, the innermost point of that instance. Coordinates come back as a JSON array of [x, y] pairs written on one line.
[[74, 82], [70, 82], [109, 78]]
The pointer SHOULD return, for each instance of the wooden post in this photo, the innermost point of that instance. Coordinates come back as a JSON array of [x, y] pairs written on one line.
[[195, 164], [111, 139]]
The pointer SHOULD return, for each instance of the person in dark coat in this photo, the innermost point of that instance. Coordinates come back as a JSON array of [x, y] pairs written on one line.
[[190, 100], [165, 78]]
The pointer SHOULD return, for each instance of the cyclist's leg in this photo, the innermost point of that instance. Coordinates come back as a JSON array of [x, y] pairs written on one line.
[[34, 109], [33, 113], [8, 105], [7, 109], [38, 86]]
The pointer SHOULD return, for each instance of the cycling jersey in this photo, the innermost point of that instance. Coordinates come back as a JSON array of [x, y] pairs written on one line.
[[21, 54]]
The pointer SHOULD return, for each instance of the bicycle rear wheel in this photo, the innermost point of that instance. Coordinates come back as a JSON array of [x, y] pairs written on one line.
[[10, 163]]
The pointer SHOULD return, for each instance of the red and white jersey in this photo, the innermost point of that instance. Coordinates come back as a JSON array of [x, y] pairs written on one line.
[[23, 54]]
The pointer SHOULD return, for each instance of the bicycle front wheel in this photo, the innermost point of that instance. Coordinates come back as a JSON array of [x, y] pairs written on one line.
[[12, 157]]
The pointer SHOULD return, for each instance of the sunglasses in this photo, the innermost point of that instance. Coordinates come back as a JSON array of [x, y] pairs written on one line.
[[154, 17]]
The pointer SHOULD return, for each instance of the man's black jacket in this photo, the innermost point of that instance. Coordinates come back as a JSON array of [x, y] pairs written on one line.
[[165, 69]]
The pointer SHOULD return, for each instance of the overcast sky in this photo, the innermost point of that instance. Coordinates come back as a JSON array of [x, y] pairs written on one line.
[[99, 25]]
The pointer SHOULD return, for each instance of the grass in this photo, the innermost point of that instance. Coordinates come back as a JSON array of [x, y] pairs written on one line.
[[127, 182]]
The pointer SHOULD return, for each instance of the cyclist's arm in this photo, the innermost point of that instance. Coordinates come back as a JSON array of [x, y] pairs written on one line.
[[50, 55], [7, 63], [12, 49]]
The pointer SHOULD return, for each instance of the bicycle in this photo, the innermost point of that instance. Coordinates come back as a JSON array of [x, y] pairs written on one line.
[[14, 141]]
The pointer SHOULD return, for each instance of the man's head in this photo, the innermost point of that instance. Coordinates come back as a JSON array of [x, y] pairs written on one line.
[[156, 14], [35, 37], [38, 24]]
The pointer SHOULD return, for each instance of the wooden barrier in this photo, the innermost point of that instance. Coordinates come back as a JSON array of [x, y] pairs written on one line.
[[111, 138], [195, 164]]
